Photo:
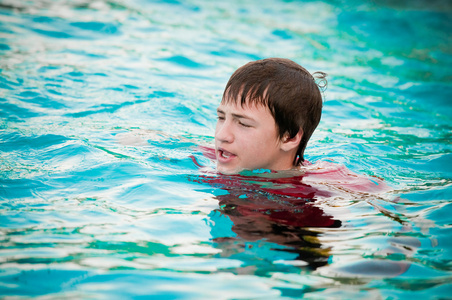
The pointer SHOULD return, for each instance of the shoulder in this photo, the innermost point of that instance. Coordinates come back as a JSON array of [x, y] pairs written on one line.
[[337, 175]]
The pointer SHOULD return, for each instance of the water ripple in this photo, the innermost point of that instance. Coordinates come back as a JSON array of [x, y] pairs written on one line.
[[103, 106]]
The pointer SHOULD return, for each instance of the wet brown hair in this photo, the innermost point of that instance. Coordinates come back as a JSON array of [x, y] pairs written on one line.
[[287, 89]]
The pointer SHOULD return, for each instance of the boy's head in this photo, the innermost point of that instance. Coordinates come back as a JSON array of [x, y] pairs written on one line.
[[277, 95]]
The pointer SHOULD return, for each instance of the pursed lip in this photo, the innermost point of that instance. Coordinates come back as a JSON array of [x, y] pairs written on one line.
[[224, 156]]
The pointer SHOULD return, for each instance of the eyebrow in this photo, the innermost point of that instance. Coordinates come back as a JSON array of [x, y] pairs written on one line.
[[238, 116]]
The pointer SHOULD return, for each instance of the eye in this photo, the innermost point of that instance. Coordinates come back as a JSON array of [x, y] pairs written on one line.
[[220, 118], [244, 125]]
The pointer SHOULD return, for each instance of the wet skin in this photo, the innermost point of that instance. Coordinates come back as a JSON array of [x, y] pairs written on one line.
[[246, 137]]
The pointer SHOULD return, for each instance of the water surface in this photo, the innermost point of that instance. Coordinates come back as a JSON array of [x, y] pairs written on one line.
[[103, 106]]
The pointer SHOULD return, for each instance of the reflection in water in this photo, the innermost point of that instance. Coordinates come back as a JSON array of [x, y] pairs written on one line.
[[285, 224], [276, 209], [282, 208]]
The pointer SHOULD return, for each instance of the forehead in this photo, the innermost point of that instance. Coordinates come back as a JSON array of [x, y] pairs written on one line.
[[244, 108], [256, 112], [244, 102], [247, 95]]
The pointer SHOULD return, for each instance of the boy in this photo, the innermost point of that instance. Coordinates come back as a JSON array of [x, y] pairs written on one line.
[[268, 112]]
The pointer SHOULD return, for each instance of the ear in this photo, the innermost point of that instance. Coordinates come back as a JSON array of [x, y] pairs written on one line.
[[289, 144]]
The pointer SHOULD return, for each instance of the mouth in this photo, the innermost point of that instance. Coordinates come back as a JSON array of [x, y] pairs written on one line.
[[224, 156]]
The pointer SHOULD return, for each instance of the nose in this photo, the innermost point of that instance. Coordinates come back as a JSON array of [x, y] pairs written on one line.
[[223, 132]]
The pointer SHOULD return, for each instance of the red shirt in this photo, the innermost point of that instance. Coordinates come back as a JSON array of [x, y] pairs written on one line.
[[288, 200]]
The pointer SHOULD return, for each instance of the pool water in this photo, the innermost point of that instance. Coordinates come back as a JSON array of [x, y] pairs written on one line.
[[106, 107]]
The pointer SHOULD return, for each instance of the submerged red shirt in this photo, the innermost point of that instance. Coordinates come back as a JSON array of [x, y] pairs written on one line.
[[287, 198], [282, 207]]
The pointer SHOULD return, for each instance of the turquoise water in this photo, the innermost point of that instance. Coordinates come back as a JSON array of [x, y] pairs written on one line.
[[103, 106]]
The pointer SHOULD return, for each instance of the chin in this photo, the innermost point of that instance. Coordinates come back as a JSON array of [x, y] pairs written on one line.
[[228, 171]]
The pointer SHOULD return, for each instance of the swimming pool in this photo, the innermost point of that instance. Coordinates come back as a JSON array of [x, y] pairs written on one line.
[[103, 107]]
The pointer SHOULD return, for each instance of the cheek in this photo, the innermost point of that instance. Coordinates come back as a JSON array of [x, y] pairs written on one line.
[[268, 139], [255, 146], [217, 128]]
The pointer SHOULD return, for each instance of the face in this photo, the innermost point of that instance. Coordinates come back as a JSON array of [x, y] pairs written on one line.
[[246, 138]]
